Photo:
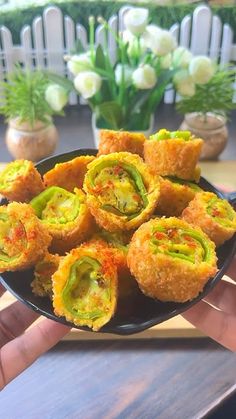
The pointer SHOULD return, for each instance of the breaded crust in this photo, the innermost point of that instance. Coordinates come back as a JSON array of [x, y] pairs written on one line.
[[174, 197], [43, 271], [162, 276], [116, 141], [196, 213], [27, 241], [174, 157], [68, 175], [110, 221], [60, 278], [24, 186]]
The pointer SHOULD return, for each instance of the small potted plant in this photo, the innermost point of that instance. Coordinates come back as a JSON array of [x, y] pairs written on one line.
[[207, 108], [29, 100]]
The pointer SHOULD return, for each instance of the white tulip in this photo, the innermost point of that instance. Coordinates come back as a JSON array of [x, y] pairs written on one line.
[[127, 74], [201, 68], [136, 20], [88, 83], [144, 77], [184, 83], [79, 63], [56, 96], [160, 41], [182, 57]]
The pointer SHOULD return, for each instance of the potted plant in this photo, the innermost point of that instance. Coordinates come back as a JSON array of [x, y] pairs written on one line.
[[29, 100], [124, 94], [207, 109]]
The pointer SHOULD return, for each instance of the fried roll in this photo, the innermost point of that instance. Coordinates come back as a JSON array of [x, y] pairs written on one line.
[[24, 240], [121, 191], [85, 286], [68, 175], [175, 195], [44, 269], [171, 260], [173, 154], [116, 141], [20, 181], [118, 244], [215, 216], [65, 215]]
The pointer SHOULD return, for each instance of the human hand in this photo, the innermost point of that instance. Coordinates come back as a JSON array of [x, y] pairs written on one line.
[[20, 348], [215, 315]]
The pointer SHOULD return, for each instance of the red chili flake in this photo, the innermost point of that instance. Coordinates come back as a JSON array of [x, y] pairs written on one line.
[[18, 232], [159, 235], [216, 213], [32, 235], [136, 197], [117, 170]]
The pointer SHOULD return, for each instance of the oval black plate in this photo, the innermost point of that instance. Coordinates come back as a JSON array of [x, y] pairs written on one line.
[[140, 312]]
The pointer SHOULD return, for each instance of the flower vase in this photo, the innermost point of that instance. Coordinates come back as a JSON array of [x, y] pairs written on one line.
[[31, 143], [96, 130], [211, 128]]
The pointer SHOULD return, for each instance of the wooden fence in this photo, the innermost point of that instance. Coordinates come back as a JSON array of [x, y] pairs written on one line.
[[53, 35]]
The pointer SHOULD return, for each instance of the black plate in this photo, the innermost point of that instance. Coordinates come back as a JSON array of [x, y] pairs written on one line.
[[140, 312]]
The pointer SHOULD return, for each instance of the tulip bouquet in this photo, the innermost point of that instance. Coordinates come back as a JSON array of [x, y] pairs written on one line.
[[125, 93]]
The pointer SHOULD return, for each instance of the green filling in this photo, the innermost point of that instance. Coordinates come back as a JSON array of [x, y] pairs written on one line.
[[56, 205], [6, 227], [11, 173], [187, 245], [221, 211], [115, 239], [163, 134], [191, 185], [86, 295], [122, 189]]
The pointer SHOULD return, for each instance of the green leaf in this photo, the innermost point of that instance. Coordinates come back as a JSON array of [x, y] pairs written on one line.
[[100, 60], [111, 112], [78, 47]]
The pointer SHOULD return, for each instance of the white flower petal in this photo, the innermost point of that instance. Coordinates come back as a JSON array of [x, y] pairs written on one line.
[[201, 68], [144, 77], [56, 96], [136, 20], [88, 83]]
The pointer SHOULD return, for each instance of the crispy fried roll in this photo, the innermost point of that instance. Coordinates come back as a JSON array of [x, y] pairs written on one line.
[[173, 154], [171, 260], [85, 286], [20, 181], [23, 238], [215, 216], [68, 175], [65, 215], [116, 141], [175, 195], [44, 269], [121, 191], [118, 244]]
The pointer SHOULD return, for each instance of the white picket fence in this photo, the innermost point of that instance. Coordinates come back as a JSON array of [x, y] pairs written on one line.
[[53, 35]]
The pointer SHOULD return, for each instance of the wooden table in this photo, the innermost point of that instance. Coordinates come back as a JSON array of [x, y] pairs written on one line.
[[181, 378]]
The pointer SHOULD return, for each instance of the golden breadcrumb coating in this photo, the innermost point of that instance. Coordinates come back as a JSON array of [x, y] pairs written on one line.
[[109, 220], [155, 259], [68, 175], [43, 271], [174, 197], [174, 157], [107, 280], [205, 211], [24, 239], [20, 181], [116, 141]]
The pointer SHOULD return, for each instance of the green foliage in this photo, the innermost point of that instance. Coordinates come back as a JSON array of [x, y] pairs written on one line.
[[24, 96], [215, 96], [80, 10]]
